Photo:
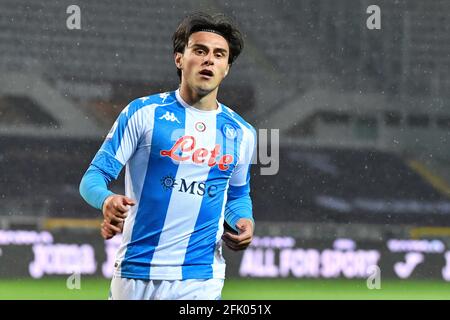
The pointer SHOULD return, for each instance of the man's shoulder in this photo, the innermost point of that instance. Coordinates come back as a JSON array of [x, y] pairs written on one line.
[[237, 118], [157, 99]]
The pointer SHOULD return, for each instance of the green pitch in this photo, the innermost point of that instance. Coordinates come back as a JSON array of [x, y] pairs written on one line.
[[285, 289]]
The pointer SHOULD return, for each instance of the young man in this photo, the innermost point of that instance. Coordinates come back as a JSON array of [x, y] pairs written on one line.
[[187, 163]]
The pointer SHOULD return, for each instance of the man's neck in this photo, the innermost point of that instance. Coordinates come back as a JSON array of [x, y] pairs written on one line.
[[207, 102]]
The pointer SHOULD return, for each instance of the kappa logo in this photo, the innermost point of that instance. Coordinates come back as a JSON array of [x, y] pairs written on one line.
[[164, 96], [169, 116]]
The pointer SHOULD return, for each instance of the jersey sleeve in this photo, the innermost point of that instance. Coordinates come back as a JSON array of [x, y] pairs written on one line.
[[94, 187], [120, 143], [239, 204]]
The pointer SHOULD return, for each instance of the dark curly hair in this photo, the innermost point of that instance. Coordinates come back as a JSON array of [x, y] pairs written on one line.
[[219, 23]]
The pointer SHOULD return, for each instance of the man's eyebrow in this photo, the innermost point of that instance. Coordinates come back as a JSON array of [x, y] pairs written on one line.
[[202, 46]]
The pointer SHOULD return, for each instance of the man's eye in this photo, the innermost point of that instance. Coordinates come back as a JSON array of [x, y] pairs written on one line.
[[219, 55], [200, 51]]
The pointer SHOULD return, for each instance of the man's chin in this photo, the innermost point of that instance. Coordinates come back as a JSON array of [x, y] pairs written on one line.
[[205, 90]]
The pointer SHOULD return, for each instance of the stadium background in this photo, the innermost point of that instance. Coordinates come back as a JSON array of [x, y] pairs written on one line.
[[364, 123]]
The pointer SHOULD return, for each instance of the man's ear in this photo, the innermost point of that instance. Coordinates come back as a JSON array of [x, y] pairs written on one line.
[[226, 71], [178, 57]]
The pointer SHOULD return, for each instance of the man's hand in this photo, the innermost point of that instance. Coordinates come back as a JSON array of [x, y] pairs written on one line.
[[115, 210], [241, 240], [108, 230]]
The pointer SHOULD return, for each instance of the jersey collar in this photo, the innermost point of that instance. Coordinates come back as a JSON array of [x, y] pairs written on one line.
[[188, 106]]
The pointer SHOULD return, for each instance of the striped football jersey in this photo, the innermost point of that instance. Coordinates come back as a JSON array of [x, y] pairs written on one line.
[[182, 164]]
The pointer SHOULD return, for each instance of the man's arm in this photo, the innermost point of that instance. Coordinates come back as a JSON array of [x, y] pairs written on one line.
[[119, 145], [239, 216], [94, 190], [94, 187], [238, 209]]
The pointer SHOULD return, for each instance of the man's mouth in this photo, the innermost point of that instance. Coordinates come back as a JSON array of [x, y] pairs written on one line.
[[207, 73]]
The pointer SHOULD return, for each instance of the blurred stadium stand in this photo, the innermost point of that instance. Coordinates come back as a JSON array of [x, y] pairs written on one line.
[[40, 177], [339, 185], [361, 112], [27, 113]]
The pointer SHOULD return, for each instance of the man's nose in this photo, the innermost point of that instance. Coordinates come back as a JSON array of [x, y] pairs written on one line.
[[209, 59]]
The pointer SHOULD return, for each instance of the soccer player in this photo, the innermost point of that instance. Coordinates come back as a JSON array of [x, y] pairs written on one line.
[[187, 160]]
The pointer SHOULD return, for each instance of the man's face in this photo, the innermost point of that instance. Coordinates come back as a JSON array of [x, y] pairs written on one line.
[[204, 62]]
